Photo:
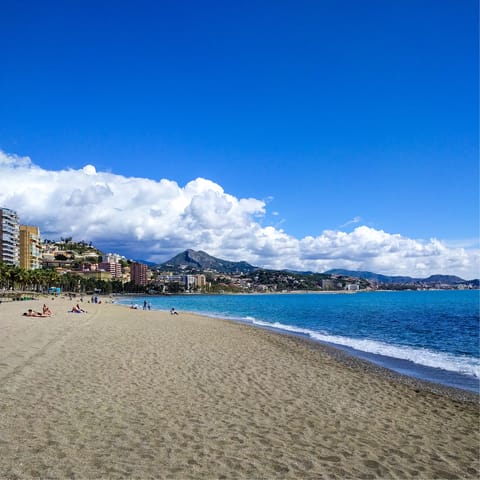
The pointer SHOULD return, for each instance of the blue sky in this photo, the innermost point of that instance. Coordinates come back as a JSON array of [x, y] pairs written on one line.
[[335, 114]]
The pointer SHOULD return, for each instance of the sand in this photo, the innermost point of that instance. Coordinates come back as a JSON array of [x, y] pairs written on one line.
[[121, 393]]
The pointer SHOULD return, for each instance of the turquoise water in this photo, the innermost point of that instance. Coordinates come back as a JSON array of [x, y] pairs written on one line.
[[433, 335]]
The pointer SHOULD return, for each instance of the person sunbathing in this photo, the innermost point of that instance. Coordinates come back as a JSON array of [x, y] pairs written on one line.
[[46, 310], [77, 309], [32, 313]]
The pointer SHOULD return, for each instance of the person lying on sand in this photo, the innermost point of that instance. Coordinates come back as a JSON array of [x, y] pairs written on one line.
[[77, 309], [32, 313]]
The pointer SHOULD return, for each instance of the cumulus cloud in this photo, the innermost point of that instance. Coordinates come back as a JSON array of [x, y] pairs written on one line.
[[155, 220], [13, 161]]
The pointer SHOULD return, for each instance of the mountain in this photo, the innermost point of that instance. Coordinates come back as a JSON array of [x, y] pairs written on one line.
[[202, 261], [385, 279], [449, 279], [374, 277]]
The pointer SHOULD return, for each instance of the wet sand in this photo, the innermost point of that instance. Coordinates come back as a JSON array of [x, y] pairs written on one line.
[[117, 393]]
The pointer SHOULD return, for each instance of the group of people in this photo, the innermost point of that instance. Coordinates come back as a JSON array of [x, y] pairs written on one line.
[[77, 309], [32, 313], [148, 306], [48, 313]]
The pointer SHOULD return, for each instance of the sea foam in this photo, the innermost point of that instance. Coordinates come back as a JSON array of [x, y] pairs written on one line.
[[421, 356]]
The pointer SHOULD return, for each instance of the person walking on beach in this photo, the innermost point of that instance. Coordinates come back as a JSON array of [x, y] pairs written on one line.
[[144, 304]]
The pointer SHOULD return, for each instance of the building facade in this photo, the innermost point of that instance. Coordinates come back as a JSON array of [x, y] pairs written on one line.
[[9, 237], [194, 281], [114, 268], [112, 258], [189, 282], [138, 273], [30, 247]]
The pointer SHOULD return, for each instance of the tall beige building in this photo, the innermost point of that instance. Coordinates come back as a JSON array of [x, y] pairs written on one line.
[[30, 247]]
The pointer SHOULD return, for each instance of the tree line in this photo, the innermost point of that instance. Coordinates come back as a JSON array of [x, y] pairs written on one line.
[[13, 278]]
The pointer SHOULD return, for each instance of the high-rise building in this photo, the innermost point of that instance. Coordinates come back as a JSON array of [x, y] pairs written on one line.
[[115, 269], [9, 237], [201, 281], [138, 273], [30, 247]]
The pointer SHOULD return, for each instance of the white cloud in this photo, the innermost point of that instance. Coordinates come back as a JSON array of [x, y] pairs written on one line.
[[89, 170], [356, 219], [155, 220], [10, 160]]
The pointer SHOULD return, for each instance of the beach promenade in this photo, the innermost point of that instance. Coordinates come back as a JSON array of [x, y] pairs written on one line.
[[122, 393]]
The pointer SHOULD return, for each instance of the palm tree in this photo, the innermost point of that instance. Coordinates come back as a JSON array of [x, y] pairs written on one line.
[[3, 275], [35, 279], [49, 278], [16, 277]]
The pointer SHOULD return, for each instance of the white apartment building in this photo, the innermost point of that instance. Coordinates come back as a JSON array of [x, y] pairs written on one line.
[[9, 237], [112, 258]]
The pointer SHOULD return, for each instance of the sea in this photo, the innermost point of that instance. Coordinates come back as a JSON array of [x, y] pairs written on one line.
[[430, 335]]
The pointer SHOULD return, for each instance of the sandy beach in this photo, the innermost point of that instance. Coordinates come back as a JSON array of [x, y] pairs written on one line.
[[122, 393]]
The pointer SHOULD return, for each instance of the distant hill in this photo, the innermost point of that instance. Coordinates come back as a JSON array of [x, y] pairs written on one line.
[[145, 262], [202, 261], [375, 277], [450, 279], [191, 260], [385, 279]]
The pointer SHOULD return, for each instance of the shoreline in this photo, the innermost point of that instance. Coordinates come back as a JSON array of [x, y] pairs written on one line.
[[117, 393], [352, 361], [294, 292], [433, 378]]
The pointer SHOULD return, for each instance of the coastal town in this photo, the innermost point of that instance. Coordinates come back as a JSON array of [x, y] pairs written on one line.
[[28, 262]]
